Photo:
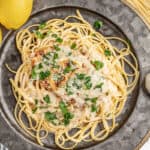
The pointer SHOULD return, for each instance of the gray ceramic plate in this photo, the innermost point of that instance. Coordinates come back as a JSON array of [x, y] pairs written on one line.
[[10, 55]]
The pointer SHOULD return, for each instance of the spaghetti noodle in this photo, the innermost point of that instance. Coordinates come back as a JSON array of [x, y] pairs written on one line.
[[142, 8], [72, 81]]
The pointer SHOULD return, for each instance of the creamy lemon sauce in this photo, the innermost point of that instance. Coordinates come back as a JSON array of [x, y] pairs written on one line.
[[77, 99]]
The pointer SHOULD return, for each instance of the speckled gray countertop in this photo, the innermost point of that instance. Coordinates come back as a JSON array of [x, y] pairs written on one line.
[[137, 125]]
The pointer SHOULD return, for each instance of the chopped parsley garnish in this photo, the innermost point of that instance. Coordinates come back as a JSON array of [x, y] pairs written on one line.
[[34, 73], [87, 79], [68, 90], [98, 24], [67, 115], [107, 52], [55, 56], [99, 85], [55, 66], [88, 85], [54, 35], [73, 46], [46, 62], [47, 55], [47, 99], [63, 107], [76, 84], [34, 110], [49, 116], [46, 58], [57, 48], [40, 66], [59, 40], [93, 108], [70, 53], [67, 69], [80, 76], [43, 107], [98, 64], [42, 25], [39, 34], [93, 100], [87, 82], [87, 99], [43, 75], [35, 101]]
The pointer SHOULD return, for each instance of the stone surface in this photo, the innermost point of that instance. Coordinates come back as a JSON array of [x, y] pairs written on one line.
[[139, 123]]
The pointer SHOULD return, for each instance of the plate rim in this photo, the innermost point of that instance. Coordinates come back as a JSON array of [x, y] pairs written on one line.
[[3, 112]]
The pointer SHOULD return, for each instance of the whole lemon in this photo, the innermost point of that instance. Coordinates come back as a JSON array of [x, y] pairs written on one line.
[[14, 13]]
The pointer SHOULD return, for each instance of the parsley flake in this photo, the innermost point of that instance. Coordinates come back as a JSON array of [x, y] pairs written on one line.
[[98, 64], [98, 24], [73, 46], [47, 99], [49, 116], [54, 35], [34, 110], [57, 48], [67, 115], [59, 40], [99, 85], [80, 76], [42, 25], [107, 52], [43, 75], [93, 108]]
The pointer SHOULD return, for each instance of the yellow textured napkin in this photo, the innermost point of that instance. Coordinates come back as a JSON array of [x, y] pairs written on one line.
[[142, 8]]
